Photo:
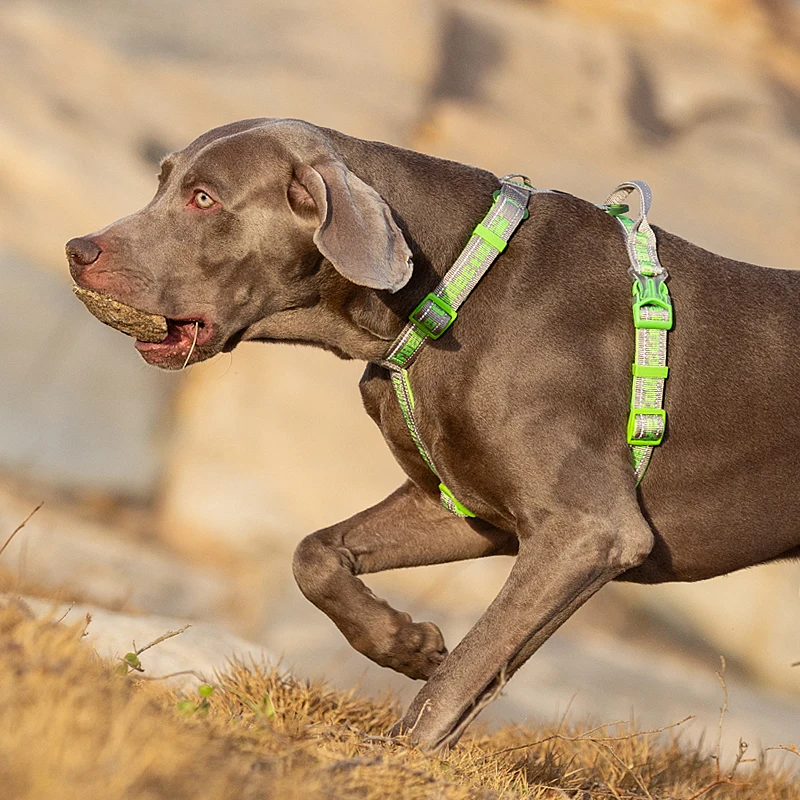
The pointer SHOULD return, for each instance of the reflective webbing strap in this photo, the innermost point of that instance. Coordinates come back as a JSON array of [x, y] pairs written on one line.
[[434, 315], [405, 397], [437, 312], [652, 318]]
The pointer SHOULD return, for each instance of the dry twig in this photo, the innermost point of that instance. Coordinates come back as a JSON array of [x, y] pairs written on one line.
[[20, 527], [131, 660], [196, 674], [368, 737], [547, 787], [587, 737], [789, 748], [721, 780], [629, 770], [722, 712], [162, 638], [64, 615]]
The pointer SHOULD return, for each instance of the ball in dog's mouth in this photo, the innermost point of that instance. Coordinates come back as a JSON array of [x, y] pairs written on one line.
[[140, 325]]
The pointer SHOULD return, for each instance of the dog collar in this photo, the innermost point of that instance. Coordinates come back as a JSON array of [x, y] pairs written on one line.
[[439, 309]]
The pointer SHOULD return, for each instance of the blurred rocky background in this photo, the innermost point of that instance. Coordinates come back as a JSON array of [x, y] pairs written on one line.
[[184, 495]]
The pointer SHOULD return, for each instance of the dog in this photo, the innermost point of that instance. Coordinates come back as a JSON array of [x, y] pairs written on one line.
[[278, 230]]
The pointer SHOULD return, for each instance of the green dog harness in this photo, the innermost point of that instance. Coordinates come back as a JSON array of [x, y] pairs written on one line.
[[652, 314]]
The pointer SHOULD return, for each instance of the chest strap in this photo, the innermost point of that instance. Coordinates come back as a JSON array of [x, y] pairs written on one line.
[[652, 318], [437, 312]]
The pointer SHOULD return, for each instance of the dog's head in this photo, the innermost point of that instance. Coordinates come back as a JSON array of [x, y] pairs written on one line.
[[254, 221]]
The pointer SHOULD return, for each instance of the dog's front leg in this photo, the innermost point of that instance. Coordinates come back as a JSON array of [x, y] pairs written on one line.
[[561, 564], [407, 529]]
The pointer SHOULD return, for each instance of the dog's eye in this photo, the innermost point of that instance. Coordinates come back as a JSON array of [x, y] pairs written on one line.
[[203, 200]]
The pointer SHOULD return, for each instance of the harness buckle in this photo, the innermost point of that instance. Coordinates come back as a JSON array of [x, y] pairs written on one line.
[[646, 433], [650, 293], [433, 316]]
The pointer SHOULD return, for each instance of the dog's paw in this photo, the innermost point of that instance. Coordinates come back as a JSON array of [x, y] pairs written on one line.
[[417, 649]]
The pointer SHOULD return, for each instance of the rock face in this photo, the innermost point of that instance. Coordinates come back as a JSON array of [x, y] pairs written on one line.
[[701, 99], [581, 100]]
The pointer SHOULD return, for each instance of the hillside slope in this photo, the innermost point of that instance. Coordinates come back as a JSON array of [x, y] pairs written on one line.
[[72, 725]]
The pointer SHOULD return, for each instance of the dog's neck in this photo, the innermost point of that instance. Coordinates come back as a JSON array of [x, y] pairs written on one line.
[[436, 204]]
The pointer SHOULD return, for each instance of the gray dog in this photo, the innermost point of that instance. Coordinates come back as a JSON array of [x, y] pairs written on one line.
[[277, 230]]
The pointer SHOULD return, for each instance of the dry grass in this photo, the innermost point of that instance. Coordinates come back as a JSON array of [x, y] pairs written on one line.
[[71, 725]]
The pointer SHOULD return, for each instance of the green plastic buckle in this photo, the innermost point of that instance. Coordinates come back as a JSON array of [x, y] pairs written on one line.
[[617, 209], [650, 412], [642, 371], [651, 293], [490, 237], [428, 326]]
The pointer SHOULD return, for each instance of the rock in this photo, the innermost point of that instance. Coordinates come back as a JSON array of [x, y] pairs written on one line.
[[78, 409], [253, 477], [201, 649], [579, 102], [60, 552], [752, 616]]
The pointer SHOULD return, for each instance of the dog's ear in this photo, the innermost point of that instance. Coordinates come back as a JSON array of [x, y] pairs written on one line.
[[355, 230]]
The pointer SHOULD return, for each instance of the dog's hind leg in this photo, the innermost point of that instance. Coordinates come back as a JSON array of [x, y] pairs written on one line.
[[407, 529]]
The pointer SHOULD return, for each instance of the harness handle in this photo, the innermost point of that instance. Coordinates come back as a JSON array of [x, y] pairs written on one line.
[[639, 235]]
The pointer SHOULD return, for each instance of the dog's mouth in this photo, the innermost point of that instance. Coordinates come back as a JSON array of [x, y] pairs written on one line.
[[181, 345]]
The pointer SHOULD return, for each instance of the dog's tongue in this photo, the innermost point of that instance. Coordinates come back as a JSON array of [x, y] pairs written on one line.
[[139, 324]]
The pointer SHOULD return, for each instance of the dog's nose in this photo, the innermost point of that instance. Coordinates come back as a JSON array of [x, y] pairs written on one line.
[[81, 253]]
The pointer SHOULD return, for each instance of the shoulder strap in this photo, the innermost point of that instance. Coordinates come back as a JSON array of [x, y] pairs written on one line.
[[439, 309]]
